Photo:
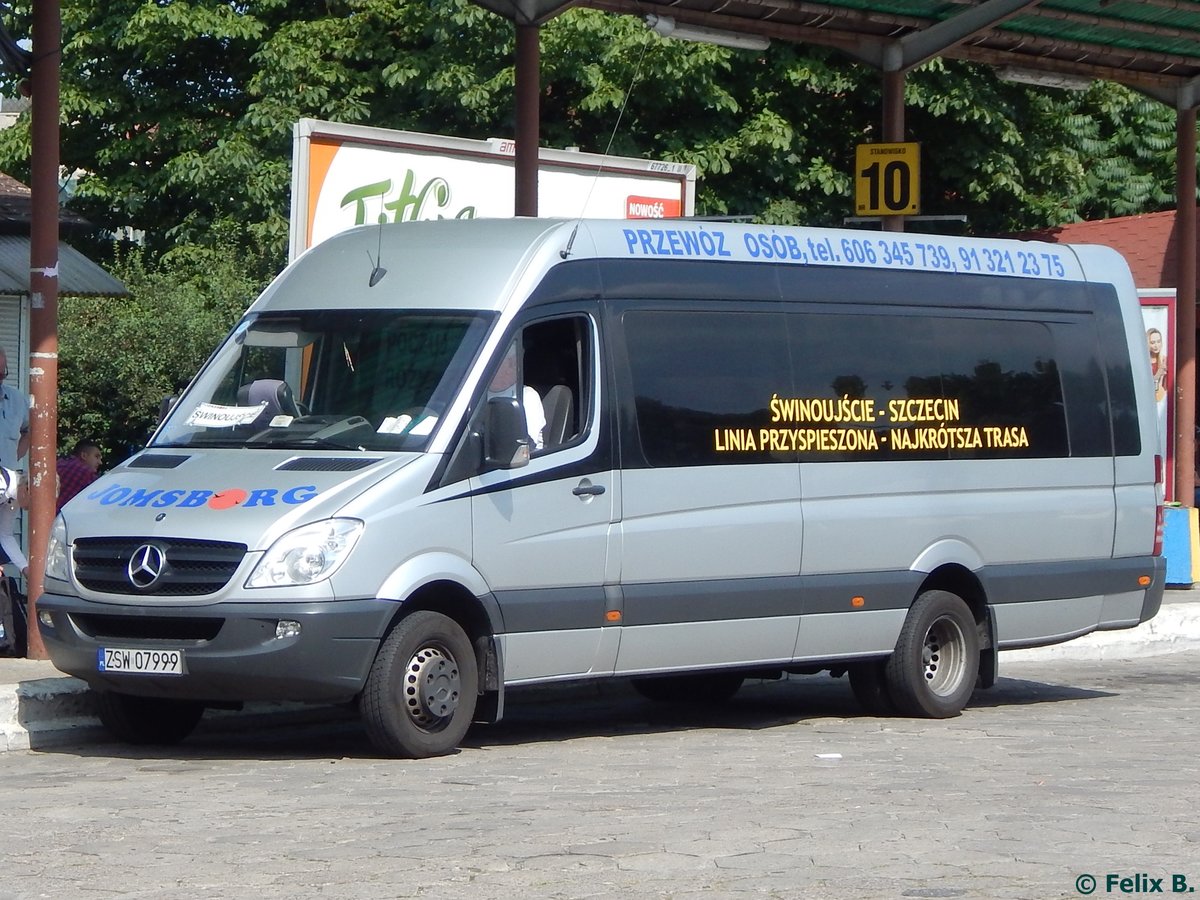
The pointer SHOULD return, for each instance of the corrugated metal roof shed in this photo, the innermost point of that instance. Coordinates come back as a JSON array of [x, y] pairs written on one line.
[[1153, 45], [77, 275]]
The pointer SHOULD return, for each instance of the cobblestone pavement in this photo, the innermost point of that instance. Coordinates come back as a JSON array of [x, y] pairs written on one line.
[[1066, 769]]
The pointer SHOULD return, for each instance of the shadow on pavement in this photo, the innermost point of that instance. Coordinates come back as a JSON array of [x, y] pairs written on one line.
[[1021, 692], [554, 714]]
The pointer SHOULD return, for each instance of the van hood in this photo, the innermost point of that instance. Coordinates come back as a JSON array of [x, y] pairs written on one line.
[[245, 496]]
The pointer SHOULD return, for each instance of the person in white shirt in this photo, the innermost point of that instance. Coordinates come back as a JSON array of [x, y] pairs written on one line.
[[504, 385], [14, 444], [14, 420], [14, 493]]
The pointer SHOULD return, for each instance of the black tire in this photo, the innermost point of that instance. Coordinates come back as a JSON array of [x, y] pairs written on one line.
[[703, 688], [869, 682], [420, 696], [933, 670], [148, 720]]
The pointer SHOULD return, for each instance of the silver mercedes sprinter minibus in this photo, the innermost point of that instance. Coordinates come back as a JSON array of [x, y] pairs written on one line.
[[437, 460]]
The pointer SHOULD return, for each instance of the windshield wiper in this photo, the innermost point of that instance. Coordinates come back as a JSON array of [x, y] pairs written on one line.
[[326, 444]]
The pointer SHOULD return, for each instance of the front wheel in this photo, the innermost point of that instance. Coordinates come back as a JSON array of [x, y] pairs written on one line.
[[935, 665], [420, 697], [148, 720]]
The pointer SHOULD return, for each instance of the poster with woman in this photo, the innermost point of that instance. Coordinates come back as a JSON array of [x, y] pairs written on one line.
[[1158, 316]]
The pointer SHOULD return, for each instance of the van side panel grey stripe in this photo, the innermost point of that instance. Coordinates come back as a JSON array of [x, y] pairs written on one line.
[[552, 609], [1017, 583], [707, 601], [879, 590], [560, 609], [756, 598]]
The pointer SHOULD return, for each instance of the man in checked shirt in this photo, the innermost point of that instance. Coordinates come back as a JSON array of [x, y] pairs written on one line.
[[77, 471]]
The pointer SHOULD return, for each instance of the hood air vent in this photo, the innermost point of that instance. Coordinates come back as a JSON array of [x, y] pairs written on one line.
[[324, 464], [157, 461]]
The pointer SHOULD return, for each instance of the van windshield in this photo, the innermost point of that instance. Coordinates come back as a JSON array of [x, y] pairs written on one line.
[[341, 379]]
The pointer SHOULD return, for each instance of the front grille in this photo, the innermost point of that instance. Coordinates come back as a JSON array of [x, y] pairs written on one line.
[[147, 627], [190, 567]]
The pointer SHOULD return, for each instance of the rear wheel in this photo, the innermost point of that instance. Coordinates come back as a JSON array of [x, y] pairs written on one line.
[[935, 665], [707, 687], [148, 720], [420, 696]]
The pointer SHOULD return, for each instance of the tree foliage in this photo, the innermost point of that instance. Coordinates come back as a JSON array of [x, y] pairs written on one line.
[[120, 358], [178, 114]]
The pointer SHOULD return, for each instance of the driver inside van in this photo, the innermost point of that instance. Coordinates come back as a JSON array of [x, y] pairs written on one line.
[[504, 384]]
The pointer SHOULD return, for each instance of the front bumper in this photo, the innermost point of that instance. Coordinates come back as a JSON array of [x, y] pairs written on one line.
[[231, 652]]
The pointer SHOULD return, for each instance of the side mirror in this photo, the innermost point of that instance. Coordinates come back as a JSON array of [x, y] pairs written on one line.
[[505, 442], [167, 404]]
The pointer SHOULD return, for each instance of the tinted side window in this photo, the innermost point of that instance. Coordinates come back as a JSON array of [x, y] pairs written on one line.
[[549, 367], [1003, 377], [556, 365], [713, 387], [1089, 430], [923, 387], [852, 371], [1126, 434], [703, 382]]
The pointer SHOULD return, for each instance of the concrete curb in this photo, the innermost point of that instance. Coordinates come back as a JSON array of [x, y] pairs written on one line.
[[40, 708], [53, 712], [47, 712]]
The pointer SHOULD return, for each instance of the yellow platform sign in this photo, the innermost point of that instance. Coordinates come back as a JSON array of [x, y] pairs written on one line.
[[887, 179]]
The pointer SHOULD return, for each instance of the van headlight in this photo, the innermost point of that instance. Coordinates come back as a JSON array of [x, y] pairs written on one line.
[[56, 550], [306, 555]]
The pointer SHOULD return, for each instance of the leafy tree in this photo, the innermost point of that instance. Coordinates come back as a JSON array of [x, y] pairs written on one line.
[[1130, 142], [178, 118], [119, 358], [180, 113]]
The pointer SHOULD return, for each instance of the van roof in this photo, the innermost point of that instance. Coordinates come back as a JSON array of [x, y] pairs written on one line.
[[481, 264], [448, 264]]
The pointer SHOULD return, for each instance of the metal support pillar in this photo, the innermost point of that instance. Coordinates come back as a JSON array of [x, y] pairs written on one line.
[[1185, 295], [43, 292], [528, 91], [893, 127]]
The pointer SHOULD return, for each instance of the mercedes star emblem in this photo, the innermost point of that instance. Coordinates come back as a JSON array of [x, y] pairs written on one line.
[[146, 566]]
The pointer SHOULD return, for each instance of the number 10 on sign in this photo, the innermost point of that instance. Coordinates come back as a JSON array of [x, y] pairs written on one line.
[[887, 179]]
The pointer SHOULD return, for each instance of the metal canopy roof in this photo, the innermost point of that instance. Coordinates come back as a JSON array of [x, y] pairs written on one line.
[[77, 275], [1150, 45]]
